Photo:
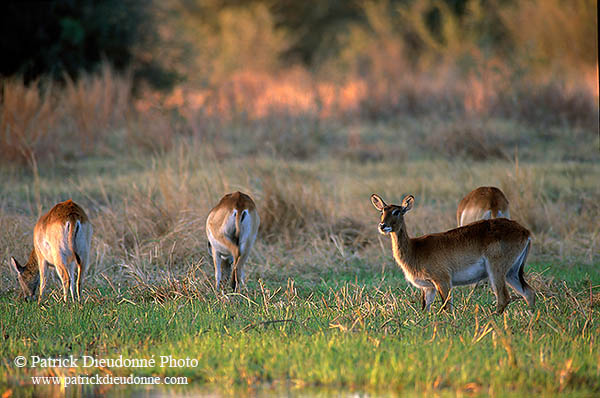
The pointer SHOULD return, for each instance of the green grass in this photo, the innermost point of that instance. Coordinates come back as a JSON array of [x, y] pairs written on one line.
[[366, 335]]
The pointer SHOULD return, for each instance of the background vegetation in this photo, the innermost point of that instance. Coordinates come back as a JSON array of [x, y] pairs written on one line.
[[147, 113], [531, 62]]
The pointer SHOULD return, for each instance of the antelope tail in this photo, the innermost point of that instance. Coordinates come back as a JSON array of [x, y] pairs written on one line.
[[72, 230], [521, 266], [237, 226], [239, 218]]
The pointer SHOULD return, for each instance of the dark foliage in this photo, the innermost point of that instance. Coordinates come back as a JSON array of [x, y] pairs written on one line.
[[314, 24], [67, 36]]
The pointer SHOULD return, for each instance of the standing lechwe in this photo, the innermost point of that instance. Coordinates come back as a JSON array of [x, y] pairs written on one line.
[[482, 203], [496, 249], [231, 228], [61, 238]]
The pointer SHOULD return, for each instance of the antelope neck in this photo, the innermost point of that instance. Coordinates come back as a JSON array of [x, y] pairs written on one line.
[[401, 246]]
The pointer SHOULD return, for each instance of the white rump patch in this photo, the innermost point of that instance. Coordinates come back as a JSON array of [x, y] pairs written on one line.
[[245, 230], [229, 228]]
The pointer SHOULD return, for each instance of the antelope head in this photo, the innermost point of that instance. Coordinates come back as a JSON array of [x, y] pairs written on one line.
[[392, 216], [27, 277]]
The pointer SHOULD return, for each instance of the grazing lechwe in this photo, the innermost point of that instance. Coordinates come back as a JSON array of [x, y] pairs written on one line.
[[482, 203], [496, 249], [61, 238], [231, 228]]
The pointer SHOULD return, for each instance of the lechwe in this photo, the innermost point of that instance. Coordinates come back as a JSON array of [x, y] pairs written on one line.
[[494, 248], [482, 203], [231, 227], [61, 238]]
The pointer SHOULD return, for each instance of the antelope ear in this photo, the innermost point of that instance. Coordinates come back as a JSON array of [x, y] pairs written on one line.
[[407, 203], [16, 267], [377, 202]]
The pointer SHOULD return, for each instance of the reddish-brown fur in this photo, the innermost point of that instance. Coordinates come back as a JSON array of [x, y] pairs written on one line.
[[494, 248], [60, 237], [481, 203], [67, 210], [232, 241]]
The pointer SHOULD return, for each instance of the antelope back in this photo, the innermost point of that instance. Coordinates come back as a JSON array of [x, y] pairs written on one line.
[[481, 204], [235, 218], [61, 235], [64, 230]]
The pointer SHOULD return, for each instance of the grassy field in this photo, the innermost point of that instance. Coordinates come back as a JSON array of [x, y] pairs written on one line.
[[430, 98], [326, 309], [361, 335]]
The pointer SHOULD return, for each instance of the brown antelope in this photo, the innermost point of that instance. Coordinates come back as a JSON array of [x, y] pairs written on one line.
[[482, 203], [231, 228], [496, 249], [61, 238]]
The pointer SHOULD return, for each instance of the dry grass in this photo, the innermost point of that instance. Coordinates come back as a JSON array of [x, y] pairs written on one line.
[[553, 209], [291, 204], [156, 168], [93, 107], [316, 217], [45, 121], [467, 140], [28, 117], [549, 104], [293, 114]]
